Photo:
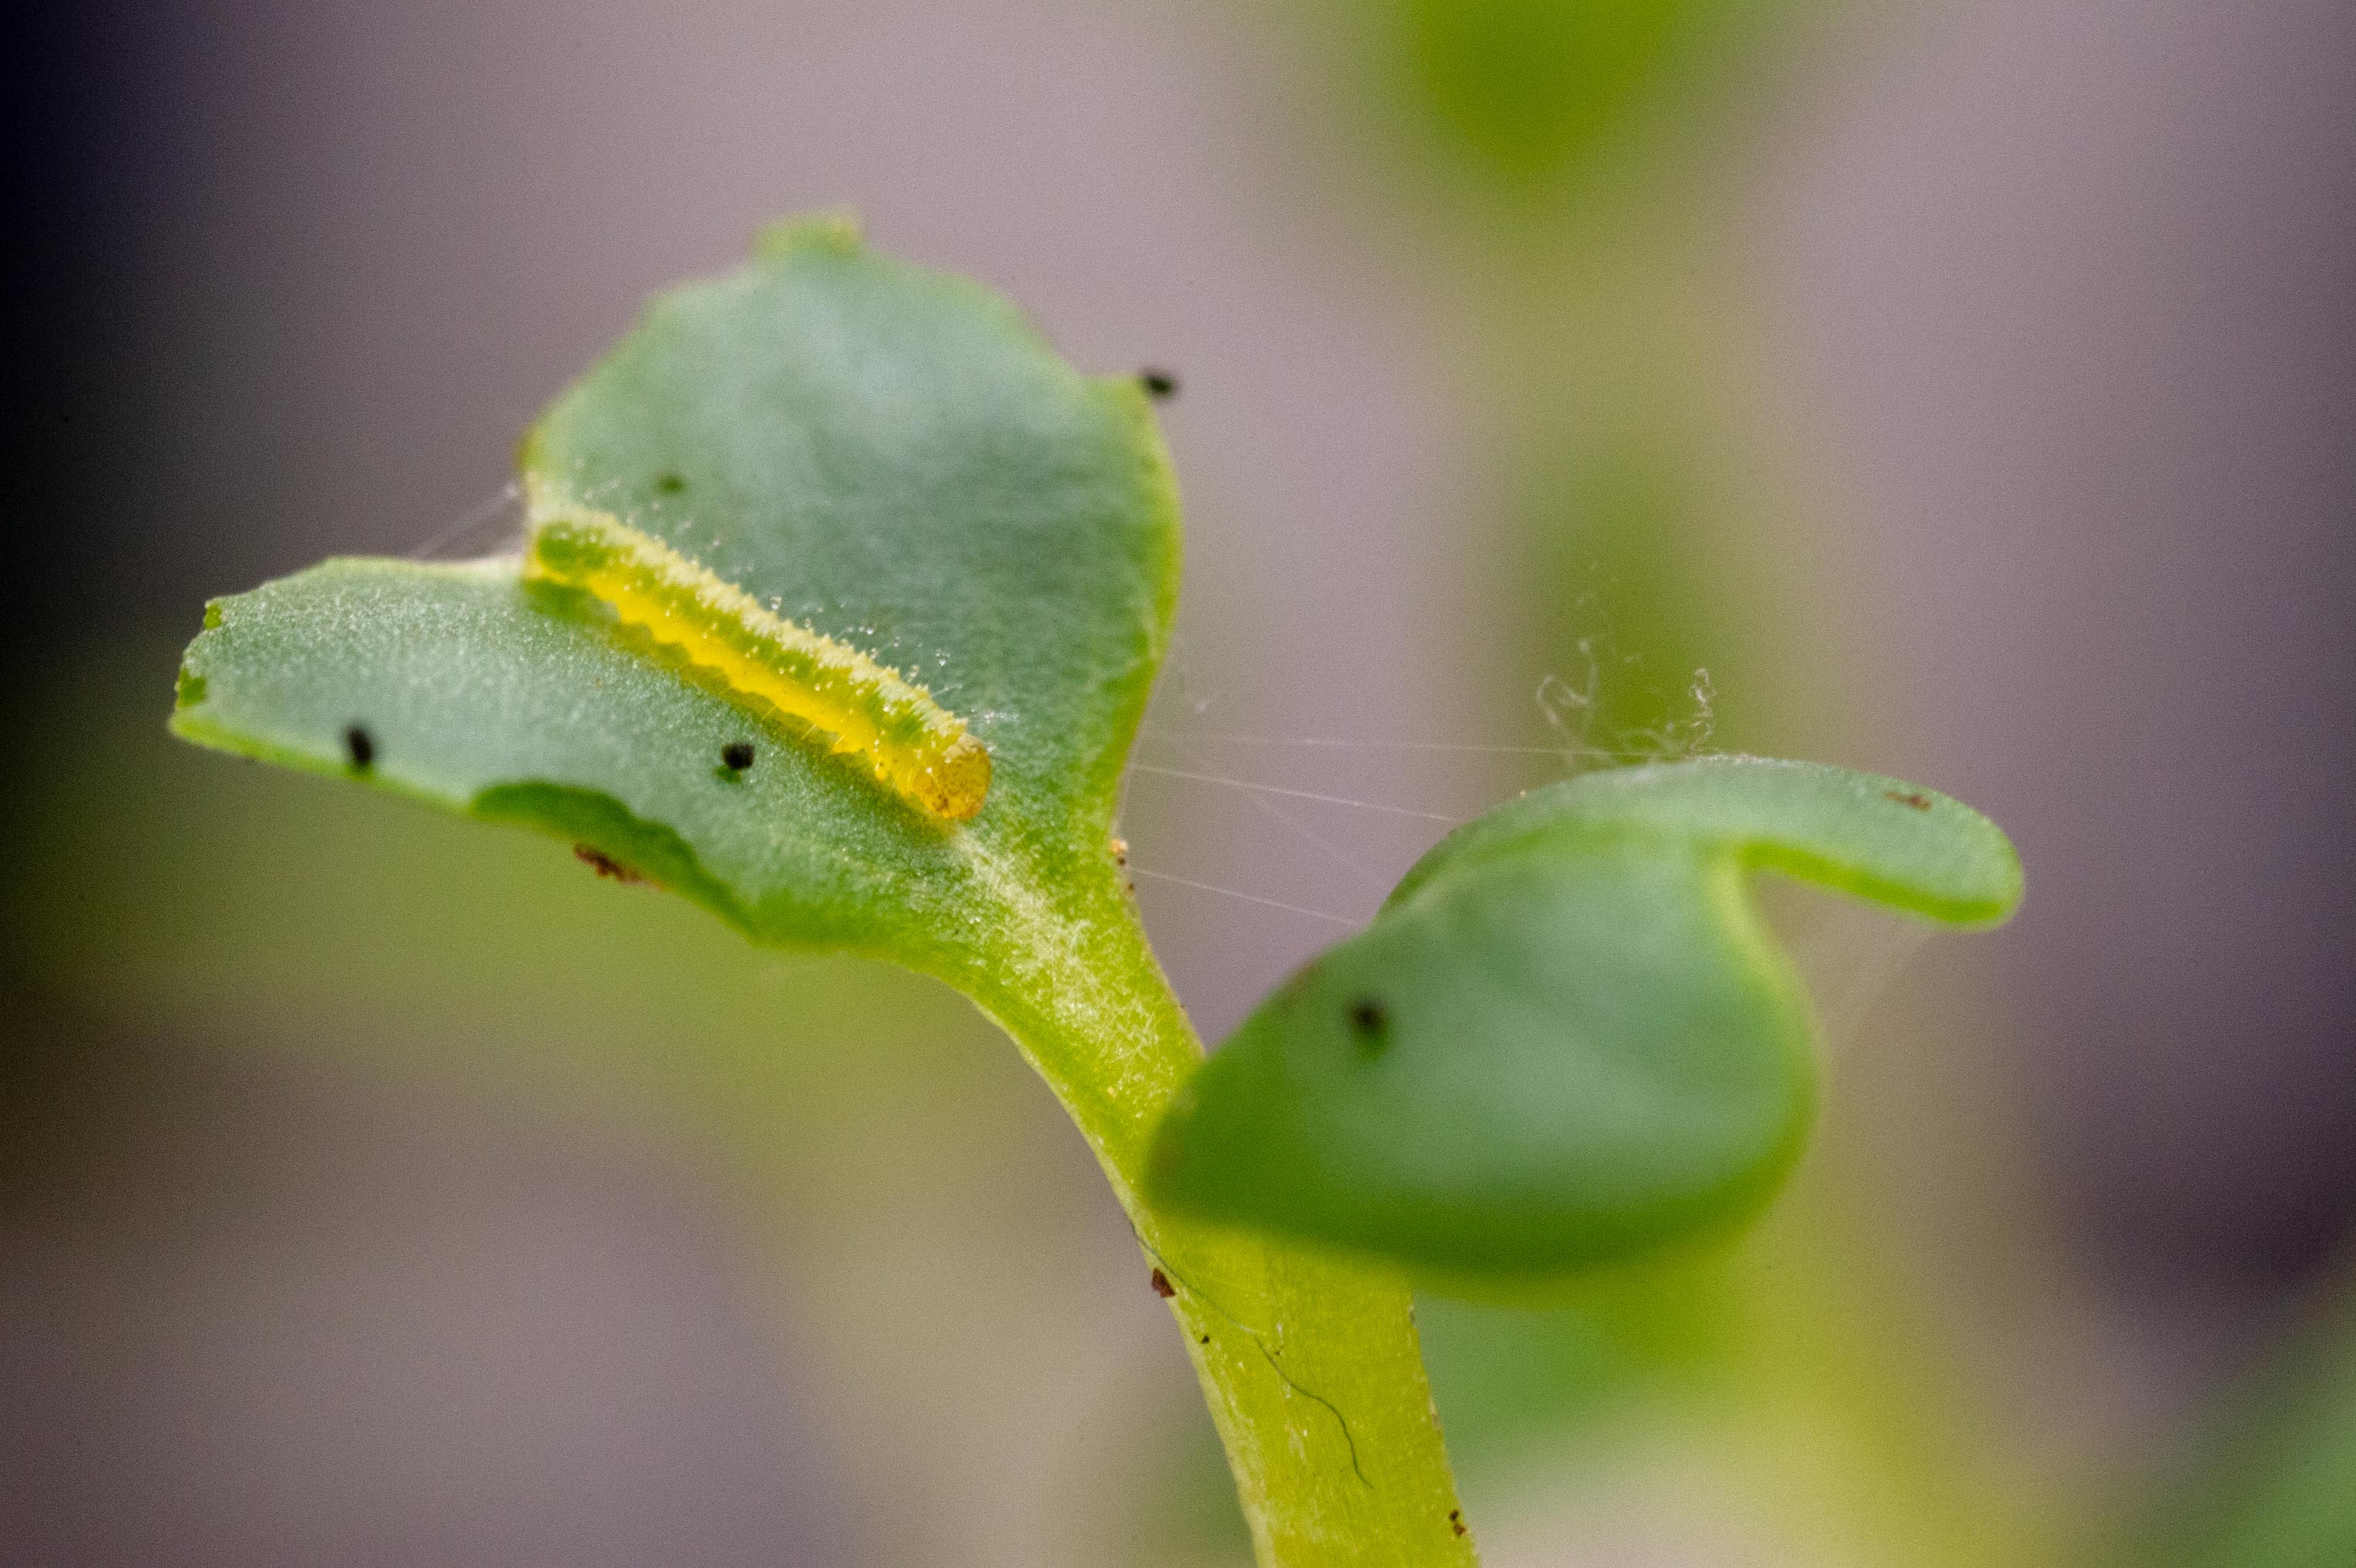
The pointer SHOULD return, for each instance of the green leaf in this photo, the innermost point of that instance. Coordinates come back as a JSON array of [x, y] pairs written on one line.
[[1568, 1036], [891, 458], [895, 460]]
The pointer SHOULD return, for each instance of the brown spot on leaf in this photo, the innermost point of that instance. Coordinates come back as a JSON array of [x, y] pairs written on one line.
[[1919, 803], [1456, 1520], [1161, 1286], [605, 865]]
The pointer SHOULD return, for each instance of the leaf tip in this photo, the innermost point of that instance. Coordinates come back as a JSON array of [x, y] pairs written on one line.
[[2004, 883], [836, 230]]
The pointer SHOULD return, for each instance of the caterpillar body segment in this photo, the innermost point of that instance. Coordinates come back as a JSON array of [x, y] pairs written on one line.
[[913, 746]]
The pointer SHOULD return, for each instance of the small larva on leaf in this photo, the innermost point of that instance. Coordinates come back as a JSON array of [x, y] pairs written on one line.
[[912, 745]]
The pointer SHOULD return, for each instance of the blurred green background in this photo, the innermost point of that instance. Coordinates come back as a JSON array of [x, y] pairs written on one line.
[[1958, 392]]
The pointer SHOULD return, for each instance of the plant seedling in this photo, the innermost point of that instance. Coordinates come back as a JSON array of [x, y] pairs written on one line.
[[852, 529]]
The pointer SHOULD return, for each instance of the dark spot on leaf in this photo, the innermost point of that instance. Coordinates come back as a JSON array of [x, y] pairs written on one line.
[[1120, 851], [1158, 384], [737, 754], [1207, 1339], [360, 745], [605, 865], [1372, 1025], [670, 483], [1456, 1520], [1919, 803], [1161, 1286]]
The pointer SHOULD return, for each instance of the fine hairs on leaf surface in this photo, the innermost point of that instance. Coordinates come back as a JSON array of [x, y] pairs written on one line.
[[839, 602]]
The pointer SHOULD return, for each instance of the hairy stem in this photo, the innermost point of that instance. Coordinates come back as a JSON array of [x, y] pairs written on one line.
[[1310, 1363]]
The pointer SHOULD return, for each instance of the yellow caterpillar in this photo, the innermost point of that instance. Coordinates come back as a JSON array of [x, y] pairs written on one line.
[[913, 746]]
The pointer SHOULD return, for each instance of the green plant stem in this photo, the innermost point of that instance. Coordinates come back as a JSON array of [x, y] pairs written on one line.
[[1310, 1364]]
